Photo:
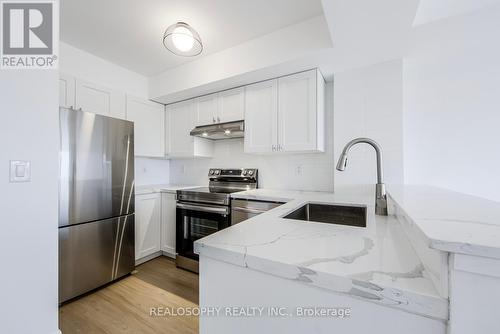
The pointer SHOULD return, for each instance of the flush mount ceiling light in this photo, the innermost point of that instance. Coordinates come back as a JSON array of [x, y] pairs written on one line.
[[182, 40]]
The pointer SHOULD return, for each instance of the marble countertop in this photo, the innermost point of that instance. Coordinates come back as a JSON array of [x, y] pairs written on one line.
[[451, 221], [156, 188], [376, 263]]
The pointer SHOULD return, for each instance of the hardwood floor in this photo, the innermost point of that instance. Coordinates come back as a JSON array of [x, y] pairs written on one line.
[[124, 306]]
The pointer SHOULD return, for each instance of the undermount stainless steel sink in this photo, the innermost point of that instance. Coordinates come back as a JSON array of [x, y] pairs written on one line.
[[352, 215]]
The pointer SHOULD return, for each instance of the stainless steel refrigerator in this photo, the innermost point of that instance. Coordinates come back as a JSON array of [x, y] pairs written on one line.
[[96, 201]]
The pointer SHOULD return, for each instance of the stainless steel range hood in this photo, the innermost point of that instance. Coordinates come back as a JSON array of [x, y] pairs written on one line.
[[220, 131]]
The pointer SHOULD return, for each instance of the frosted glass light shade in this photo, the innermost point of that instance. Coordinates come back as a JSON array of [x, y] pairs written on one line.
[[181, 39]]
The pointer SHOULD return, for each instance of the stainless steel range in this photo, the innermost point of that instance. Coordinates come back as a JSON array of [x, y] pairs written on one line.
[[203, 211]]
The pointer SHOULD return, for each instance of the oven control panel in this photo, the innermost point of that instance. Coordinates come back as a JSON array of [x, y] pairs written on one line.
[[236, 173]]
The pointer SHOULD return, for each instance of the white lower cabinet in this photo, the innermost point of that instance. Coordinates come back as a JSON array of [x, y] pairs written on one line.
[[154, 225], [168, 222], [147, 225]]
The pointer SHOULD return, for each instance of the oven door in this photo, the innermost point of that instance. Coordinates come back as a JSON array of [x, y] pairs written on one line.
[[195, 221]]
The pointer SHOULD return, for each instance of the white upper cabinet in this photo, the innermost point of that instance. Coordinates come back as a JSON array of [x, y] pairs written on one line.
[[206, 109], [149, 126], [66, 91], [100, 100], [286, 114], [300, 112], [261, 110], [181, 119], [231, 106], [222, 107], [148, 117], [180, 124]]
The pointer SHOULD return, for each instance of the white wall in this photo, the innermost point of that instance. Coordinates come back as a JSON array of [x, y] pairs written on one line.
[[151, 171], [451, 103], [297, 171], [432, 10], [83, 65], [368, 103], [29, 130]]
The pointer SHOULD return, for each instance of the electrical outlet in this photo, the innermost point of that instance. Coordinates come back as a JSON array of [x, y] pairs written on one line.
[[298, 170]]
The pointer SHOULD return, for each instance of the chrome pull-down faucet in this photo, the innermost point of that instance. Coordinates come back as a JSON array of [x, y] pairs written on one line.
[[380, 193]]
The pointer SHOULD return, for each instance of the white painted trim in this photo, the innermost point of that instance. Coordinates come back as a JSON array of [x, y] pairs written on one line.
[[476, 265], [148, 257], [170, 254]]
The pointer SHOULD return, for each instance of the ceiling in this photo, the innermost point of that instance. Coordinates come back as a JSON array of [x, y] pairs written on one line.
[[432, 10], [129, 32]]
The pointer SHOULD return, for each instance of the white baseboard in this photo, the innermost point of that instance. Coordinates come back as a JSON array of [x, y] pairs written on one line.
[[155, 255], [169, 254], [147, 258]]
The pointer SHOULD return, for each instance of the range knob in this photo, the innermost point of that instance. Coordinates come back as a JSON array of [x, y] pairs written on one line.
[[250, 172], [217, 172], [211, 172], [245, 172]]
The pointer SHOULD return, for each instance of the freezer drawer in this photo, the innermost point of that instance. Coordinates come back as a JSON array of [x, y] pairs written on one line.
[[93, 254]]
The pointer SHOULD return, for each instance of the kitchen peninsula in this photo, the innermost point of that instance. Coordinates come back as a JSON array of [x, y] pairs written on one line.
[[396, 275]]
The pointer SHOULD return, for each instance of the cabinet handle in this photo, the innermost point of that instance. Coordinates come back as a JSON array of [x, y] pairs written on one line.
[[274, 148], [213, 119], [218, 119]]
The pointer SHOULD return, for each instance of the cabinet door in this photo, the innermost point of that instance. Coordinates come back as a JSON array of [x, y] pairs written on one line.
[[168, 223], [261, 110], [100, 100], [206, 109], [147, 225], [297, 123], [66, 91], [231, 105], [181, 116], [149, 126]]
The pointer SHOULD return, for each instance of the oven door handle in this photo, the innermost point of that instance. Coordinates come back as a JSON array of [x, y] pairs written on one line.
[[186, 226], [211, 209]]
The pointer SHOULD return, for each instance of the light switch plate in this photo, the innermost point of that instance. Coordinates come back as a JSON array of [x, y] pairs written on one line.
[[20, 171]]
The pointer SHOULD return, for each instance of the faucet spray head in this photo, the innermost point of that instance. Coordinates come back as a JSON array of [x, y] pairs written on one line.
[[342, 163]]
